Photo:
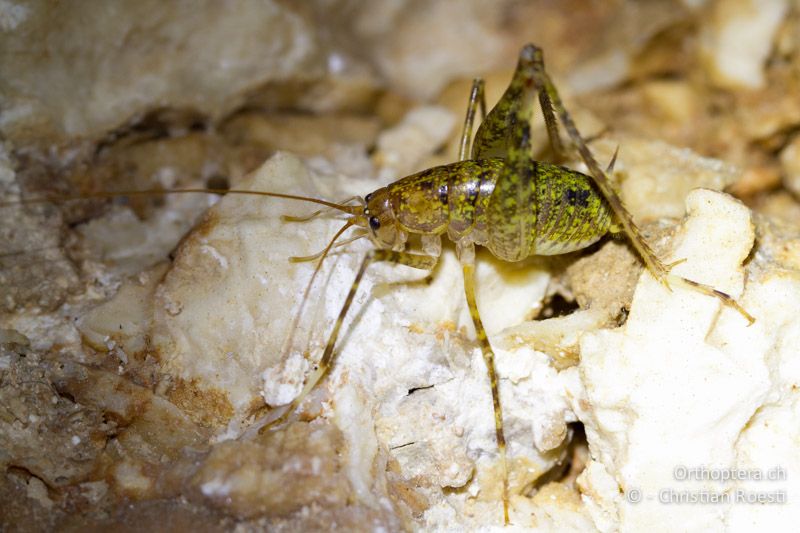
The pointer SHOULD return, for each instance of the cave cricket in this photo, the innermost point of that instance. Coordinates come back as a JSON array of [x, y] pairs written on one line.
[[496, 195]]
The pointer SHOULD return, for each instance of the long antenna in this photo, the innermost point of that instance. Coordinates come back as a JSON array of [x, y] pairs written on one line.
[[349, 209], [287, 343]]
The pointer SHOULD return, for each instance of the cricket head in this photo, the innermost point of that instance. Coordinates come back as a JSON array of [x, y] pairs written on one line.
[[378, 217]]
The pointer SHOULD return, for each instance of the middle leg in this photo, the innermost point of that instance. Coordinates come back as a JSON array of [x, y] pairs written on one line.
[[476, 96], [466, 255]]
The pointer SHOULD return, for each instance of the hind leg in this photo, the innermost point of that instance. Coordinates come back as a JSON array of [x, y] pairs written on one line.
[[549, 98]]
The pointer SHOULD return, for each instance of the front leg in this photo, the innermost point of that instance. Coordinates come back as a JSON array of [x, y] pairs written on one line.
[[421, 261]]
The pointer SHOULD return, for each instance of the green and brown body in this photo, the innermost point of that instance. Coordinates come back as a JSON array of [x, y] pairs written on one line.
[[569, 212], [499, 197]]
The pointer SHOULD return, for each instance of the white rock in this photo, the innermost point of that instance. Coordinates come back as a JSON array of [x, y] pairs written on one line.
[[683, 383], [208, 55], [402, 148], [678, 385], [736, 39], [222, 319], [656, 177]]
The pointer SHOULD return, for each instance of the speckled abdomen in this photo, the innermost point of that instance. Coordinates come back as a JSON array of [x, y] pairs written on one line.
[[572, 213], [567, 212]]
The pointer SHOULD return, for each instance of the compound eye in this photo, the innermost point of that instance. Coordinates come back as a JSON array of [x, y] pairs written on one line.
[[368, 197], [374, 223]]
